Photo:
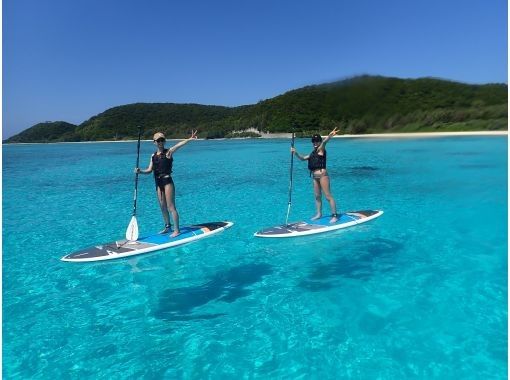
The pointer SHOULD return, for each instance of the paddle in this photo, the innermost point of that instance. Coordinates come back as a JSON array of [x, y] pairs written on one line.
[[132, 230], [290, 183]]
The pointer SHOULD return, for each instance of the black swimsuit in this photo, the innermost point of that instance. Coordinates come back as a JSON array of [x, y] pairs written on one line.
[[162, 167]]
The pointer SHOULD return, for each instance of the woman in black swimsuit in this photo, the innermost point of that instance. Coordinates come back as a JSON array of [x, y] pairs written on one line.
[[317, 166], [161, 164]]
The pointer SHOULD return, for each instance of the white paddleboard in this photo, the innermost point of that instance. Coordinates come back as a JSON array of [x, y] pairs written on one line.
[[311, 227], [155, 242]]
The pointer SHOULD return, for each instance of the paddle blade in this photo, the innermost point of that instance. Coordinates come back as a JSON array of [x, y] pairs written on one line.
[[132, 230]]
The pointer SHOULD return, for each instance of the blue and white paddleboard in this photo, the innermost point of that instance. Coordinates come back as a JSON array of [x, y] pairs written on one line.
[[310, 227], [125, 248]]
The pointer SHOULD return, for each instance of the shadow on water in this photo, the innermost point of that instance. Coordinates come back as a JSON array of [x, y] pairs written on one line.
[[369, 258], [360, 170], [414, 150], [467, 153], [227, 286], [476, 166], [88, 183]]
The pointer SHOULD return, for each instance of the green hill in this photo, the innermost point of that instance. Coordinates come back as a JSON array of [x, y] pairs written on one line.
[[377, 104], [46, 132], [366, 104], [176, 120]]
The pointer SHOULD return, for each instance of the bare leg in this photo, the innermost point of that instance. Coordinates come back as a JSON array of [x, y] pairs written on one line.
[[324, 184], [164, 211], [170, 202], [318, 199]]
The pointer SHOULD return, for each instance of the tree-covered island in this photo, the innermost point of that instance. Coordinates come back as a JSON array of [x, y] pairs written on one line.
[[359, 105]]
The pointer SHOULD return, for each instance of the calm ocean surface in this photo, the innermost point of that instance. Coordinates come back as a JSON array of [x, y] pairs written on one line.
[[420, 292]]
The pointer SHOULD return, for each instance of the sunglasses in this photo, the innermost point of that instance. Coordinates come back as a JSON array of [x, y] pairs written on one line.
[[160, 140]]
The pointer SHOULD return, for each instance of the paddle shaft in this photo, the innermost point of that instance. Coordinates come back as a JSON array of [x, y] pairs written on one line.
[[290, 182], [137, 164]]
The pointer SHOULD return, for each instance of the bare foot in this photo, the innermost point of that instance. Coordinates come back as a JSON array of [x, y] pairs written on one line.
[[317, 216], [334, 218], [175, 233], [166, 229]]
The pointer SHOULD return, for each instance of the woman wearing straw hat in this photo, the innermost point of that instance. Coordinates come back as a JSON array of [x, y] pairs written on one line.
[[161, 164]]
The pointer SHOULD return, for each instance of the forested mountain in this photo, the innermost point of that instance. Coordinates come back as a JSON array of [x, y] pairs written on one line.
[[46, 132], [366, 104]]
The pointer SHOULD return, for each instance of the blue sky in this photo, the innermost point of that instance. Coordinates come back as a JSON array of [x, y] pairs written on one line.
[[70, 60]]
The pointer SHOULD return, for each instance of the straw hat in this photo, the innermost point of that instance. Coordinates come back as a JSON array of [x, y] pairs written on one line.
[[158, 135]]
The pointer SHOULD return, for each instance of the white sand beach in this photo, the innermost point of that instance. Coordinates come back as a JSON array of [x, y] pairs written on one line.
[[399, 135], [289, 135]]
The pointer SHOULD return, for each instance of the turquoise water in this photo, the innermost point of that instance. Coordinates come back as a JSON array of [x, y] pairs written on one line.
[[420, 292]]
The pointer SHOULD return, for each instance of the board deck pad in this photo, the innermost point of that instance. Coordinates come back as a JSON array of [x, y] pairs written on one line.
[[150, 243], [310, 227]]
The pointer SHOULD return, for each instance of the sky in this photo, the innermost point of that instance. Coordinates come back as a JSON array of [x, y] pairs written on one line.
[[68, 60]]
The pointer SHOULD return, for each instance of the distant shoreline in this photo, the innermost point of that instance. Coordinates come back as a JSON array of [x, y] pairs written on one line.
[[399, 135], [289, 135], [427, 134]]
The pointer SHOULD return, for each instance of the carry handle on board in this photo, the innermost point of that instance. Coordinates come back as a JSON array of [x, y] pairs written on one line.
[[290, 183], [132, 229]]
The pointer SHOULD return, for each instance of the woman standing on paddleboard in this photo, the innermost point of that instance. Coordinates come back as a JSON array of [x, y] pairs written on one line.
[[317, 166], [161, 164]]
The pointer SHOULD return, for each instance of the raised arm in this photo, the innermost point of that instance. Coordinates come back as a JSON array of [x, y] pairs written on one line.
[[180, 144], [327, 138], [145, 171]]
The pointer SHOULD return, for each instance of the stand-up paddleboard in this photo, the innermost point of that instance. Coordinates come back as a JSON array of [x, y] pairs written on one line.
[[125, 248], [310, 227]]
